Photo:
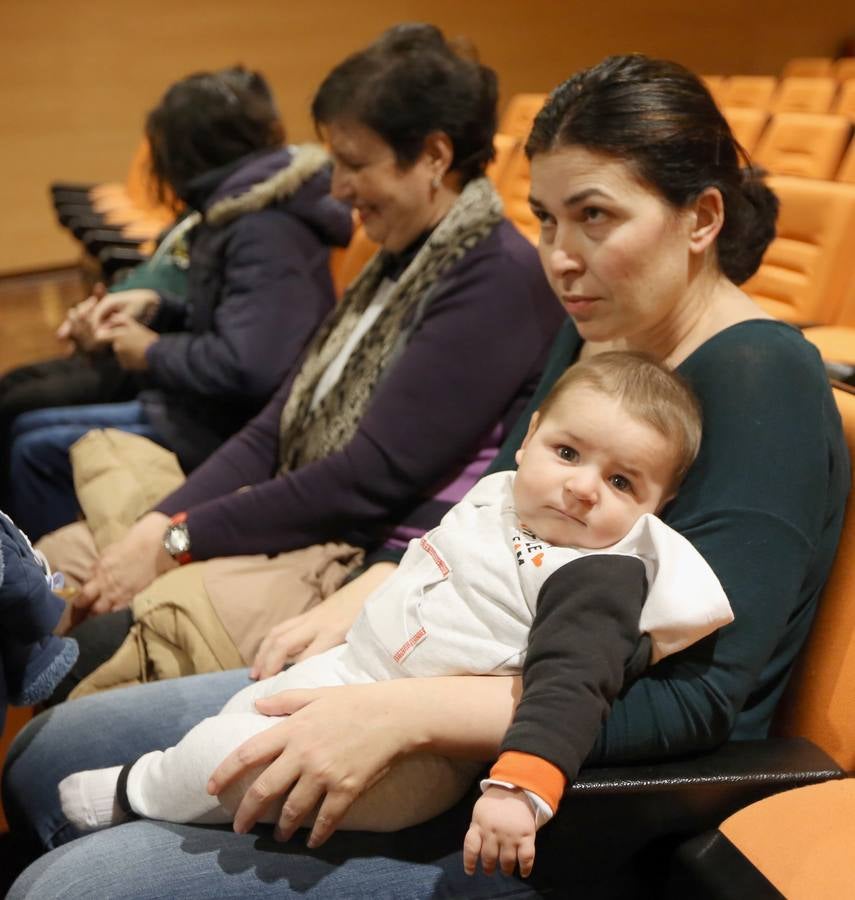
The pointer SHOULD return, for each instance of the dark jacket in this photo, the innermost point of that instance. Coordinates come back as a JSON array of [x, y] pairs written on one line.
[[258, 286]]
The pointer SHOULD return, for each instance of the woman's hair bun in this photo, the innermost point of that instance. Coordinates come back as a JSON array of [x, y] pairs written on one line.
[[749, 227]]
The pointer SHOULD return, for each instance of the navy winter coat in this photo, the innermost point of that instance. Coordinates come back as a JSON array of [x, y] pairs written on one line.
[[258, 287]]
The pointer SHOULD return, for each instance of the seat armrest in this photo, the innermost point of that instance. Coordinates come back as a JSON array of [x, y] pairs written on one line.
[[611, 814], [98, 239], [114, 260], [75, 187], [776, 763], [70, 212]]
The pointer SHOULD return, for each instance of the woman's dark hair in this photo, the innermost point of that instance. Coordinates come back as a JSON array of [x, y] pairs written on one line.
[[660, 119], [411, 82], [208, 120]]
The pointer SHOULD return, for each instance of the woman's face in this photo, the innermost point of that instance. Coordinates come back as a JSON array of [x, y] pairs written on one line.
[[394, 204], [615, 252]]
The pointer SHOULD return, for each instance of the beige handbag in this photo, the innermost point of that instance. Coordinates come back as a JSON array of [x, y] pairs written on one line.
[[206, 616]]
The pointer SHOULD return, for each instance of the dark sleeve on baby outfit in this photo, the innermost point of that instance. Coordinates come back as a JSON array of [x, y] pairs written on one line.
[[584, 638]]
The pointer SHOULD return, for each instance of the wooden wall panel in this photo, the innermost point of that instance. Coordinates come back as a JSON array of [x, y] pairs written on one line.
[[76, 76]]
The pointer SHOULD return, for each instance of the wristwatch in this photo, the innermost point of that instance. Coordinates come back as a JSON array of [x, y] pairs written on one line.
[[176, 539]]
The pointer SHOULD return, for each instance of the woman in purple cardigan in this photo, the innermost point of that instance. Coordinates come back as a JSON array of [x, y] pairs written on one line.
[[409, 387]]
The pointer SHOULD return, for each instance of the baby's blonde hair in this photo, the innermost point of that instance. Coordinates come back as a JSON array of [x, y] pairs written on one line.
[[649, 391]]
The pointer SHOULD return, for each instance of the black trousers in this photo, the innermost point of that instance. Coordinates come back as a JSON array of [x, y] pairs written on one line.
[[64, 381], [98, 638]]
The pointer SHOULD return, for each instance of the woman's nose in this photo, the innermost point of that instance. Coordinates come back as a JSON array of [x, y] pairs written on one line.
[[563, 263]]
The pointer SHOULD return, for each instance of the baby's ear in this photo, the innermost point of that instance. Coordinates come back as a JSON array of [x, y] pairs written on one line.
[[532, 427], [666, 500]]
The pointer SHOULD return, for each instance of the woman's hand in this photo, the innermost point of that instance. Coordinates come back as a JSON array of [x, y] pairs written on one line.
[[78, 324], [320, 628], [339, 741], [126, 567], [130, 341], [140, 304], [335, 744]]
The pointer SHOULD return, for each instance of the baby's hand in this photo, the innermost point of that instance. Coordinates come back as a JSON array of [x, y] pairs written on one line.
[[503, 828]]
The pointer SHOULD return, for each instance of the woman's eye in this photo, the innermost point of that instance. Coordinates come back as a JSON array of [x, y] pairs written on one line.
[[621, 483], [348, 165], [568, 454], [593, 214], [542, 216]]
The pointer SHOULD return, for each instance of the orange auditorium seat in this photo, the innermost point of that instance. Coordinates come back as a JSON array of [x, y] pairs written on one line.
[[811, 95], [717, 86], [808, 67], [749, 90], [846, 172], [514, 191], [844, 105], [519, 114], [747, 124], [808, 268], [844, 68], [504, 146], [836, 342], [804, 144], [346, 263], [798, 844]]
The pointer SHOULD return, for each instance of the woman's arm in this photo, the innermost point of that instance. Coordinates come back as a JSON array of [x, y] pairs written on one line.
[[425, 419], [320, 628], [337, 742]]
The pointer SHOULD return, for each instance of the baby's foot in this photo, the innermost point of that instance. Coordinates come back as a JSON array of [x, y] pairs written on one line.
[[89, 799]]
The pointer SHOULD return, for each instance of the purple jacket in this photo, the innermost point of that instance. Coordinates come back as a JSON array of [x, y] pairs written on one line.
[[258, 286], [446, 402]]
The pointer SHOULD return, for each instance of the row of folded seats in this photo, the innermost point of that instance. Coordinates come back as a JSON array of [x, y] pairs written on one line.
[[116, 223], [823, 94]]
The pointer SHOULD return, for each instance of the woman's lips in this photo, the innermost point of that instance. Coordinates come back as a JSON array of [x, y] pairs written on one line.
[[577, 304]]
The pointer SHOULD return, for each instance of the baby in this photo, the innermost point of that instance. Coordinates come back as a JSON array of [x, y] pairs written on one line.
[[560, 570]]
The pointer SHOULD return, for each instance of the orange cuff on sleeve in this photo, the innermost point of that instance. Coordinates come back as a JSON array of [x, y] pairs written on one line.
[[531, 773]]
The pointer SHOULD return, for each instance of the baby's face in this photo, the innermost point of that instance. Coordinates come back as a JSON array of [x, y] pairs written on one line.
[[588, 471]]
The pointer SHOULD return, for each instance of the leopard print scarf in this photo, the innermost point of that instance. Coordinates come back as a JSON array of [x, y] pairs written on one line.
[[307, 434]]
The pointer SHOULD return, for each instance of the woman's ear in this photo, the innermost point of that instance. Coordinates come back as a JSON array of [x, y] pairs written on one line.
[[438, 154], [708, 212], [532, 427]]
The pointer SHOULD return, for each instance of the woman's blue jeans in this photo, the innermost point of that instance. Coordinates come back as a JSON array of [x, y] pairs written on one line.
[[41, 487], [145, 859]]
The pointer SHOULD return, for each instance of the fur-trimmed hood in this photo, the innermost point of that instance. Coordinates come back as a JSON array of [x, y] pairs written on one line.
[[295, 178]]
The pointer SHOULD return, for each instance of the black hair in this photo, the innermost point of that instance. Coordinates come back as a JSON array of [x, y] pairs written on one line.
[[659, 118], [411, 82], [208, 120]]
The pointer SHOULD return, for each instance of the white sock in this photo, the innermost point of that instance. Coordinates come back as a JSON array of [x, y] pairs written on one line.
[[89, 799]]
